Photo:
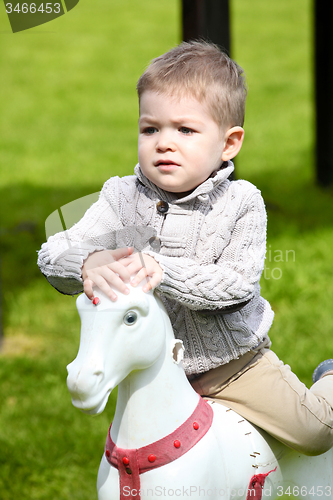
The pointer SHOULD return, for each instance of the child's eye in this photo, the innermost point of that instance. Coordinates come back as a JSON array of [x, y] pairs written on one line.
[[186, 130], [149, 130]]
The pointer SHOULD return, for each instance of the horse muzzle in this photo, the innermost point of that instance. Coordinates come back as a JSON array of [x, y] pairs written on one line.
[[85, 384]]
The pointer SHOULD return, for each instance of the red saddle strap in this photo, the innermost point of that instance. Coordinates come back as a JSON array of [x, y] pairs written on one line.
[[133, 462]]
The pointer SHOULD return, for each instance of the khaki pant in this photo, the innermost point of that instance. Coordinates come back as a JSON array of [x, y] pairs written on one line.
[[263, 390]]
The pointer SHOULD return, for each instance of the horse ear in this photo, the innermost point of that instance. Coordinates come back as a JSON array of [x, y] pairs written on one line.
[[177, 351]]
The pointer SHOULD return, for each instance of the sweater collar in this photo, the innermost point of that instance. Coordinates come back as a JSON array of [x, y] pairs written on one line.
[[201, 192]]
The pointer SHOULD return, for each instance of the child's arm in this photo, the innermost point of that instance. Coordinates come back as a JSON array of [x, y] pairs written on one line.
[[62, 258]]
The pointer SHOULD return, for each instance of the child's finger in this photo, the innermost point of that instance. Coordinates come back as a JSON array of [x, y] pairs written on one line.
[[118, 268], [134, 268], [141, 275], [88, 288], [104, 277], [153, 282], [120, 253], [147, 287], [104, 286], [128, 260]]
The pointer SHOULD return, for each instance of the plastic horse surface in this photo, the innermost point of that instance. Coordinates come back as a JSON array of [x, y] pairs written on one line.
[[130, 344]]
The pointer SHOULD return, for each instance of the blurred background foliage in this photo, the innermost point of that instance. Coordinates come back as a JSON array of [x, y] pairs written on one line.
[[68, 121]]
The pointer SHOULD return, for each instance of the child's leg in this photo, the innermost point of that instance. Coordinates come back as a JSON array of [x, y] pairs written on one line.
[[268, 394]]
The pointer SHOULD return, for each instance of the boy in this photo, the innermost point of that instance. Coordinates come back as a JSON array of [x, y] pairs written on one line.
[[202, 242]]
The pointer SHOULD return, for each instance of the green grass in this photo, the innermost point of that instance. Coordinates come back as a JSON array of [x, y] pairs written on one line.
[[68, 119]]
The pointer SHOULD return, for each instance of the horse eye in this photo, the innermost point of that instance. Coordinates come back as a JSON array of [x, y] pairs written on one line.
[[130, 318]]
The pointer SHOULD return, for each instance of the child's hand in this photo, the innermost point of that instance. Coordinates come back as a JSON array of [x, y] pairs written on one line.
[[142, 266], [103, 269]]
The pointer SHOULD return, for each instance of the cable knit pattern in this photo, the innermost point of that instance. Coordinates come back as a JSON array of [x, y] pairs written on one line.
[[210, 244]]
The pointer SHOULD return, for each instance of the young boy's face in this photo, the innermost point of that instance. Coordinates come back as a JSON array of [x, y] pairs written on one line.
[[180, 144]]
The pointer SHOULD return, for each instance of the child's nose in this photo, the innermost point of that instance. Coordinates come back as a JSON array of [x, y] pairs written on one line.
[[165, 142]]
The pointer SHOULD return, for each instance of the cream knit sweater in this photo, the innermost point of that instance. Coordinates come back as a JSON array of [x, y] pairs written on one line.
[[210, 244]]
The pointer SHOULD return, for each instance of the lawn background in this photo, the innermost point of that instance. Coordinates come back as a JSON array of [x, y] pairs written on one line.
[[68, 121]]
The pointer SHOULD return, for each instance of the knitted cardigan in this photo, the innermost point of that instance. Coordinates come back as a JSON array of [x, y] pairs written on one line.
[[210, 244]]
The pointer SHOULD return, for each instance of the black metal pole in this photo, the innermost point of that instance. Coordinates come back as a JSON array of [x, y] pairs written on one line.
[[323, 20], [207, 19]]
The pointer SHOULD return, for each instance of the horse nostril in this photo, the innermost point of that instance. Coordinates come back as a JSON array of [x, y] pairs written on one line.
[[99, 374], [84, 381]]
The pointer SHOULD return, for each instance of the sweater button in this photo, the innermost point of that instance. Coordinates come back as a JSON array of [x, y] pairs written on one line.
[[162, 207]]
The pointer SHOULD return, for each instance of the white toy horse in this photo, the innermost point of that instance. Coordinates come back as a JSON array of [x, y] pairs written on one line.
[[166, 441]]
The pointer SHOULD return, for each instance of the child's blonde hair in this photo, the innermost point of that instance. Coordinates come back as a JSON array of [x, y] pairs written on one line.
[[200, 70]]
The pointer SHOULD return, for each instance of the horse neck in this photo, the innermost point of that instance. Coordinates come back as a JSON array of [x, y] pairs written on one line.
[[152, 402]]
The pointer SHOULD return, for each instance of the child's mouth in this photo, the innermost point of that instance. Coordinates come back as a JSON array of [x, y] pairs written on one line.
[[166, 165]]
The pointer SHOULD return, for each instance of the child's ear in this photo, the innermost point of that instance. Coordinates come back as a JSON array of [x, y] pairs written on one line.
[[233, 141]]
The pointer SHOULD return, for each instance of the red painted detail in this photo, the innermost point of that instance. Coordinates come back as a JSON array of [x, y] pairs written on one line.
[[163, 450], [107, 453], [125, 461], [151, 458], [195, 425], [176, 443], [256, 486], [96, 301]]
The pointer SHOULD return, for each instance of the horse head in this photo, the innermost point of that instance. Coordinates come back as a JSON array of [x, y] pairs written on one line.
[[116, 339]]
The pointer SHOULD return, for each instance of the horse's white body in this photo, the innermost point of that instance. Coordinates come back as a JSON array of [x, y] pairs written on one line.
[[143, 359]]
